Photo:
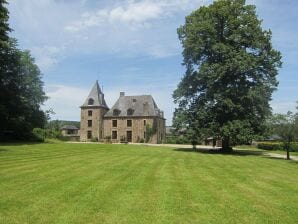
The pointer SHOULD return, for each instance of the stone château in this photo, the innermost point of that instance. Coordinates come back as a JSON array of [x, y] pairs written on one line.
[[131, 119]]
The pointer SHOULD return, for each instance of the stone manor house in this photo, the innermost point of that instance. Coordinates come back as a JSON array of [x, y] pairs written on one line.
[[128, 120]]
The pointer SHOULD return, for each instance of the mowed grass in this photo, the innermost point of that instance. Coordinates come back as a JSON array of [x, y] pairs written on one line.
[[91, 183]]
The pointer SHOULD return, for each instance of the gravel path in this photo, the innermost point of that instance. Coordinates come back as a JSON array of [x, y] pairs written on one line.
[[275, 155], [177, 146]]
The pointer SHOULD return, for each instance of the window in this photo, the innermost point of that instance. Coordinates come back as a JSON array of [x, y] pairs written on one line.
[[114, 134], [89, 134], [89, 123], [90, 101], [129, 123], [89, 113], [114, 123], [144, 122], [130, 111], [116, 112]]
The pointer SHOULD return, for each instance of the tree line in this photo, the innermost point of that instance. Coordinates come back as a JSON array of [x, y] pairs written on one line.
[[21, 86]]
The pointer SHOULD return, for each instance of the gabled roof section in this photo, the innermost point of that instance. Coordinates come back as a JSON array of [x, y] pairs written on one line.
[[95, 97], [134, 106]]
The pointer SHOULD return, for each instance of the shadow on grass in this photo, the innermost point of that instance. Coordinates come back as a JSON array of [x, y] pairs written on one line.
[[235, 152], [3, 150], [19, 143], [282, 159]]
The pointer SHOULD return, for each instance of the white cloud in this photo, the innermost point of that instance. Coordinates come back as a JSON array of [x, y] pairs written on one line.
[[65, 101], [134, 14], [126, 27], [47, 56]]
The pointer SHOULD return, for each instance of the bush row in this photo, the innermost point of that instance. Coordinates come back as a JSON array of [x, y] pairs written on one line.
[[277, 146], [176, 140], [39, 134]]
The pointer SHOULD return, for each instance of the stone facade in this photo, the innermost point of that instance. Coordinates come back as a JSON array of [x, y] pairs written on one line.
[[69, 130], [70, 133], [92, 123], [138, 129], [129, 120]]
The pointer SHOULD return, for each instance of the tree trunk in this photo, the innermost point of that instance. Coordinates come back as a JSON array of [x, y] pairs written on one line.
[[288, 153], [226, 145], [288, 150]]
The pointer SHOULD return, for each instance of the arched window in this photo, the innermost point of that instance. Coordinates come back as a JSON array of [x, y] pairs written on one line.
[[130, 111], [116, 112], [90, 101]]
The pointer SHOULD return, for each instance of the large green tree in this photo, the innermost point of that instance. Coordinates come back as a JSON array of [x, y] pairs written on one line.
[[21, 87], [231, 70]]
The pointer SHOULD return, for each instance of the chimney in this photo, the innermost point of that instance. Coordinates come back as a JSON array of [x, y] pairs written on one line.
[[122, 94]]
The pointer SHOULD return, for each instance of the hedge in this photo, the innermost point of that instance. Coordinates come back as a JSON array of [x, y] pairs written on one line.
[[277, 146]]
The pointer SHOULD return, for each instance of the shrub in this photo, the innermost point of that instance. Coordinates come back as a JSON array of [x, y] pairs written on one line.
[[108, 139], [150, 131], [38, 134], [172, 139], [51, 133], [294, 147], [277, 146], [270, 145], [94, 139], [64, 138]]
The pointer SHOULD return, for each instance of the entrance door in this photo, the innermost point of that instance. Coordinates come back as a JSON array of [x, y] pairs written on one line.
[[129, 136]]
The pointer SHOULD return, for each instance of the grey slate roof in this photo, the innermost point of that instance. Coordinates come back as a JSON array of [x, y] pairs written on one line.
[[98, 97], [69, 127], [143, 105]]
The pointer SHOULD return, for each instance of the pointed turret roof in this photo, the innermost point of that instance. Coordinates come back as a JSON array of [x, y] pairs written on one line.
[[95, 97]]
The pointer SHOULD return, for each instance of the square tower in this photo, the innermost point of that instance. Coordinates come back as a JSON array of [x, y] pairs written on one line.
[[92, 113]]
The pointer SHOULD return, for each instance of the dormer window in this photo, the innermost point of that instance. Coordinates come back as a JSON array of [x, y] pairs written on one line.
[[130, 112], [90, 101], [116, 112]]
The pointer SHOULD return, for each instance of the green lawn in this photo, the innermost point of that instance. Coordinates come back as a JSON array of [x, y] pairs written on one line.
[[90, 183]]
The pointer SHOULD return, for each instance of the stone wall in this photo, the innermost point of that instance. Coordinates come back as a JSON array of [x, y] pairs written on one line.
[[161, 130], [138, 128], [64, 132], [97, 123]]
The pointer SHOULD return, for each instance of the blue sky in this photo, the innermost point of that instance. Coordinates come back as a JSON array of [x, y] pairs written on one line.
[[130, 46]]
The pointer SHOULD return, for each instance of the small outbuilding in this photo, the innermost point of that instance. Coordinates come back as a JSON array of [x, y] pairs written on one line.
[[69, 130]]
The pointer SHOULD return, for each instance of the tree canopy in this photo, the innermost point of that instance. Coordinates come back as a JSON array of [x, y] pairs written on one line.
[[21, 87], [285, 126], [231, 70]]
